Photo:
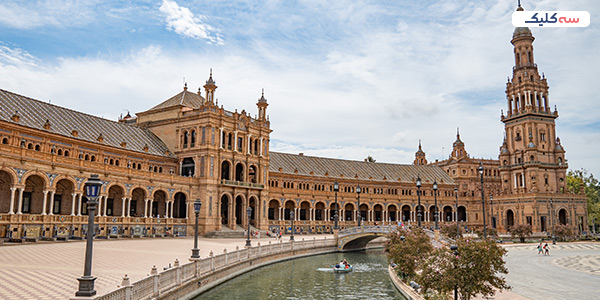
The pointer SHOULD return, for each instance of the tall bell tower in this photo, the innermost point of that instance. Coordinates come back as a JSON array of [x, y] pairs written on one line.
[[531, 156]]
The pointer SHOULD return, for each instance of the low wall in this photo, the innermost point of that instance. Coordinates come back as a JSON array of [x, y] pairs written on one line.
[[406, 291], [191, 279]]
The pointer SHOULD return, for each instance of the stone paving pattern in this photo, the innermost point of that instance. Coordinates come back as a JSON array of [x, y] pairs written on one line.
[[49, 270]]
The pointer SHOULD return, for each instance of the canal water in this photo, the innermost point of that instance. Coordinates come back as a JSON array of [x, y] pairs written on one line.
[[312, 278]]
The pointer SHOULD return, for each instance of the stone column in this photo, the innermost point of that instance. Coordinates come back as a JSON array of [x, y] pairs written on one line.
[[20, 207], [106, 205], [44, 202], [99, 206], [128, 207], [151, 201], [73, 195], [51, 211], [79, 206], [123, 200], [12, 200], [145, 208]]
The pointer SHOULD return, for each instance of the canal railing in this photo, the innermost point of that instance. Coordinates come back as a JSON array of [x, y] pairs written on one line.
[[381, 229], [212, 270]]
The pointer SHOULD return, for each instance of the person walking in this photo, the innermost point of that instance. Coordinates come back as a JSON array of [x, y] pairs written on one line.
[[546, 249], [539, 247]]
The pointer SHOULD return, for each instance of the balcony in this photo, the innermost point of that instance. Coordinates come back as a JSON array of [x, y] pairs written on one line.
[[242, 184]]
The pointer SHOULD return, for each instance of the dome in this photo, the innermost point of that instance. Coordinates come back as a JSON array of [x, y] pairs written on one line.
[[521, 31]]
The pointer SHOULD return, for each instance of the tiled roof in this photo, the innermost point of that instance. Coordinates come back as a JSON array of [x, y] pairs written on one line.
[[185, 98], [289, 163], [34, 113]]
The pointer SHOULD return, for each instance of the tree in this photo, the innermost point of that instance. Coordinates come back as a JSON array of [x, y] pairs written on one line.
[[449, 230], [477, 269], [521, 231], [408, 249], [370, 159], [580, 180], [563, 232]]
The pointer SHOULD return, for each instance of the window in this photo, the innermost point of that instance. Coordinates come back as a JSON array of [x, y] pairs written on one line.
[[240, 144], [26, 207], [193, 139], [542, 137], [56, 205]]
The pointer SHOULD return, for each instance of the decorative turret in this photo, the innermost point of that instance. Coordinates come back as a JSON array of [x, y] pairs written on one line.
[[458, 147], [210, 88], [420, 156], [262, 106]]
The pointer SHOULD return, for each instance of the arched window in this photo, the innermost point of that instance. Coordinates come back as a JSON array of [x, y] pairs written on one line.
[[93, 158], [193, 138], [229, 141], [5, 141], [111, 162], [30, 146], [60, 152], [86, 157], [185, 139], [37, 148], [187, 167], [117, 162], [67, 153]]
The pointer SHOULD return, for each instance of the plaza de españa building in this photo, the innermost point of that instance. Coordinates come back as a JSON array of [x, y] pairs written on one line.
[[155, 165]]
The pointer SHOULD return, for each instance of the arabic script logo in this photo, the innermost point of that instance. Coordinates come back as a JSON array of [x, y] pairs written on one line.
[[551, 18]]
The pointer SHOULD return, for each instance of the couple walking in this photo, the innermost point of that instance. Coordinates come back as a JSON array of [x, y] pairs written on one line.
[[545, 249]]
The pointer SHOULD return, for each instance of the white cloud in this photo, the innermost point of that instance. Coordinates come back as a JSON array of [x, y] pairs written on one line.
[[32, 14], [374, 91], [16, 56], [182, 21]]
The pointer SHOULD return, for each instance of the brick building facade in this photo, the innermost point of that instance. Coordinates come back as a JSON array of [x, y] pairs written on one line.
[[153, 166]]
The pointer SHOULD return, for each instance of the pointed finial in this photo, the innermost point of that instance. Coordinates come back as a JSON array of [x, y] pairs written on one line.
[[263, 92], [419, 144], [519, 8], [457, 133], [185, 86]]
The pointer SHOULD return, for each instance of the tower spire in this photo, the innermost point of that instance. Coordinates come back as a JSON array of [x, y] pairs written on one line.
[[210, 88]]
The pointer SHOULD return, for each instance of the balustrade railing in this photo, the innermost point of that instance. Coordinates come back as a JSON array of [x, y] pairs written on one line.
[[158, 283]]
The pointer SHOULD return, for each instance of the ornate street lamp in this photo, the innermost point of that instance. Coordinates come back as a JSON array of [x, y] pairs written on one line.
[[359, 214], [435, 188], [248, 213], [292, 218], [86, 282], [336, 188], [195, 250], [482, 200], [419, 201], [456, 198]]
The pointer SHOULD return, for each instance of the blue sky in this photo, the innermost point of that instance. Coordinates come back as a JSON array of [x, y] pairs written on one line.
[[343, 79]]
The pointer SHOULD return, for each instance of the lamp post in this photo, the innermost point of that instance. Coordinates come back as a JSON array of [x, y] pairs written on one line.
[[358, 193], [195, 250], [249, 213], [435, 188], [336, 188], [552, 221], [456, 198], [292, 219], [419, 201], [482, 200], [455, 249], [493, 218], [86, 282]]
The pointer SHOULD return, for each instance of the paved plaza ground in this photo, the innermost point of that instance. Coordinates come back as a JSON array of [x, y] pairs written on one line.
[[49, 270]]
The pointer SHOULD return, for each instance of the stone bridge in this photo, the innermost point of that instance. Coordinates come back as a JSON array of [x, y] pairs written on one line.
[[357, 237]]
